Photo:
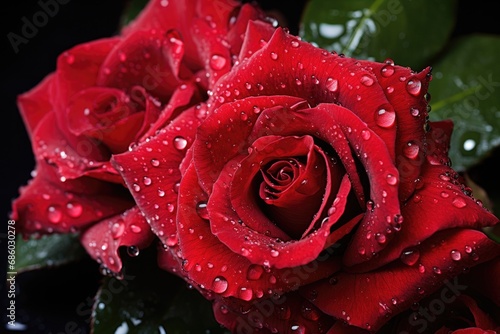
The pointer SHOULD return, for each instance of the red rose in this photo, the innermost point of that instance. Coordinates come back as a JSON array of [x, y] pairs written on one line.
[[108, 95], [315, 197]]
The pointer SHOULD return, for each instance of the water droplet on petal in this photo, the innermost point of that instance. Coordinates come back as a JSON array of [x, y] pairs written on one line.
[[455, 255], [245, 294], [180, 143], [414, 86], [391, 179], [74, 210], [274, 253], [414, 112], [201, 210], [381, 238], [410, 256], [146, 180], [219, 285], [170, 207], [135, 228], [136, 187], [254, 272], [274, 55], [295, 43], [365, 134], [133, 251], [411, 150], [385, 118], [387, 70], [332, 84], [54, 214], [468, 249], [217, 62], [367, 80], [117, 229], [421, 268], [155, 162], [459, 202], [436, 270]]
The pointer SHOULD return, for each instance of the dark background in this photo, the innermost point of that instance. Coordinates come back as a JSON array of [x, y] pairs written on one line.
[[47, 299]]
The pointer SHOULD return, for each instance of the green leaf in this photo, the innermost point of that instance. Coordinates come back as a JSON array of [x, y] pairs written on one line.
[[132, 9], [409, 32], [47, 251], [150, 300], [466, 89]]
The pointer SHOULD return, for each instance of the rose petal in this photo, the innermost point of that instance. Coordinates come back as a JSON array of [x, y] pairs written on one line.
[[73, 156], [287, 66], [440, 198], [406, 92], [78, 69], [248, 15], [35, 104], [260, 248], [256, 32], [373, 304], [48, 205], [211, 153], [141, 59], [151, 171], [103, 240], [345, 132], [207, 261]]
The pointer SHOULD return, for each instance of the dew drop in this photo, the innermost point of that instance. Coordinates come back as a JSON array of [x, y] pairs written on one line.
[[155, 162], [172, 240], [170, 207], [136, 187], [455, 255], [365, 134], [387, 70], [54, 214], [436, 270], [254, 272], [217, 62], [444, 194], [421, 268], [245, 294], [161, 193], [459, 202], [414, 86], [133, 251], [414, 112], [381, 238], [274, 55], [410, 256], [295, 43], [411, 150], [117, 229], [274, 253], [180, 143], [468, 249], [332, 84], [135, 228], [146, 180], [385, 118], [391, 179], [367, 80], [219, 285], [74, 210], [201, 210]]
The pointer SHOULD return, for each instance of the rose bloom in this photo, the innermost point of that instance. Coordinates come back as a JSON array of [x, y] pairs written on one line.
[[111, 94], [316, 197]]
